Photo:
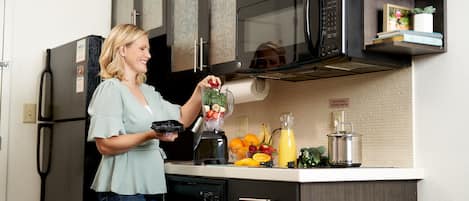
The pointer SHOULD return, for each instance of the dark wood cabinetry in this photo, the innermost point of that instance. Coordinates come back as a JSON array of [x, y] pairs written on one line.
[[373, 23], [360, 191], [245, 190]]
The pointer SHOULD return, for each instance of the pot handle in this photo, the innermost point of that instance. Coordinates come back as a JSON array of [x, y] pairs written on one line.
[[344, 130]]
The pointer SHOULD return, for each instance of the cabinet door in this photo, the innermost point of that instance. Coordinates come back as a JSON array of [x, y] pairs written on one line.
[[189, 34], [147, 14], [122, 12], [184, 34], [360, 191], [222, 31], [151, 14], [246, 190]]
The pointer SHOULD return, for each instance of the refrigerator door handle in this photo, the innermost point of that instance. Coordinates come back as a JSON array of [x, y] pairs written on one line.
[[44, 149], [45, 92]]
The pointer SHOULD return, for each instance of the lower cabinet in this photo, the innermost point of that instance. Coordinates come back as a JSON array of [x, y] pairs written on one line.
[[220, 189], [360, 191]]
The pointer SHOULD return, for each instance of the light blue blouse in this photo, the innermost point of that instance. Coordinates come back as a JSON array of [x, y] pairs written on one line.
[[115, 111]]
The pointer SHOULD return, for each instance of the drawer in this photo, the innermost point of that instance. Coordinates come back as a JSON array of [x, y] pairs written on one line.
[[256, 190]]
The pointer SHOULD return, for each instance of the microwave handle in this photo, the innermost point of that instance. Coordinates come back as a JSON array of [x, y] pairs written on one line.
[[307, 17]]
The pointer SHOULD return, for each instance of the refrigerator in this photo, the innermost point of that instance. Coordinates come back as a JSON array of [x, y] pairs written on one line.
[[66, 162]]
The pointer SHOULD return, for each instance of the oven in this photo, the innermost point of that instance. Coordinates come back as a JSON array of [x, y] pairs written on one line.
[[195, 188]]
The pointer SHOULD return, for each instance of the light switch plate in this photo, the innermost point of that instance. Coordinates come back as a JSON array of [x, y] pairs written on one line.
[[29, 113]]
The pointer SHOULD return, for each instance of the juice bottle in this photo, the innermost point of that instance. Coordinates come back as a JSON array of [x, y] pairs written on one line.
[[287, 144]]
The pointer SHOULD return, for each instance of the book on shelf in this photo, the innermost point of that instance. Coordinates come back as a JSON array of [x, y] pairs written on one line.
[[408, 32], [425, 40]]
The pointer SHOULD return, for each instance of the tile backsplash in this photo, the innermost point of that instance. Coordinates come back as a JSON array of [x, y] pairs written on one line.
[[380, 108]]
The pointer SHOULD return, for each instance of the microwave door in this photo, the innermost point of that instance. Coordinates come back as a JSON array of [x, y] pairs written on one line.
[[267, 33]]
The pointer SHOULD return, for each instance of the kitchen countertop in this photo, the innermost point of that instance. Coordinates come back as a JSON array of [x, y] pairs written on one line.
[[295, 175]]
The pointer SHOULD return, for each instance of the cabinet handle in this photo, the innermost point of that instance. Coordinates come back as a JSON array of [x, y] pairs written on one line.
[[133, 16], [253, 199], [201, 54], [195, 55]]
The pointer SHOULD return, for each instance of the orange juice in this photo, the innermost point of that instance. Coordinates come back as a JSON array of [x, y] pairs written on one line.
[[287, 144], [287, 148]]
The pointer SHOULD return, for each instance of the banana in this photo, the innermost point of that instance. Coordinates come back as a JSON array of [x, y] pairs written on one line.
[[266, 136]]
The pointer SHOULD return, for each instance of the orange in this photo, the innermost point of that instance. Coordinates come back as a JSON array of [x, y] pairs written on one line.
[[241, 153], [236, 143], [261, 157], [251, 139]]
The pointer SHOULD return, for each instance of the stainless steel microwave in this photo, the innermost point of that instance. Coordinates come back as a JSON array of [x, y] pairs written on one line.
[[305, 39]]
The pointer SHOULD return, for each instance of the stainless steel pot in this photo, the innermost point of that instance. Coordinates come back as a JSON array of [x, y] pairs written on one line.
[[345, 148]]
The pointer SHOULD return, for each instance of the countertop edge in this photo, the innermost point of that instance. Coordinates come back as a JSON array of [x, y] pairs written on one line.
[[296, 175]]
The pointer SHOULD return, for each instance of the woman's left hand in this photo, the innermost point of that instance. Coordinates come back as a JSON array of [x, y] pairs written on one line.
[[167, 137], [210, 81]]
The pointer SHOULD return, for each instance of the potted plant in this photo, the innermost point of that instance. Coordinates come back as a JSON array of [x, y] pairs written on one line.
[[423, 19]]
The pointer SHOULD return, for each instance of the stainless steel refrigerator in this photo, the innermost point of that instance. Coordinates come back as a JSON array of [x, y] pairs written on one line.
[[66, 162]]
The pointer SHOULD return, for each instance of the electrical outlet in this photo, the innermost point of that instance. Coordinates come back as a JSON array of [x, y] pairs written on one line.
[[29, 113], [337, 117]]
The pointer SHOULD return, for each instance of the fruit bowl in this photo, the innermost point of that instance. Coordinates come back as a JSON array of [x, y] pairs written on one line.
[[248, 151]]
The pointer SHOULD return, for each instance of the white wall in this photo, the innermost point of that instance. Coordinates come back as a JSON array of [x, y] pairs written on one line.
[[441, 92], [37, 25]]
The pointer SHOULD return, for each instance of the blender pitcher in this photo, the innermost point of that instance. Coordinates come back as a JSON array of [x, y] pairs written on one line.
[[211, 144], [217, 104]]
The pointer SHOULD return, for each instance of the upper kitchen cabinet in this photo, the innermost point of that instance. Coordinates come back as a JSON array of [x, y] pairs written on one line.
[[150, 15], [373, 25], [202, 33], [188, 20], [222, 31]]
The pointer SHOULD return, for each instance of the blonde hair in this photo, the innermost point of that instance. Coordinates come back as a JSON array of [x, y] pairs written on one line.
[[111, 63]]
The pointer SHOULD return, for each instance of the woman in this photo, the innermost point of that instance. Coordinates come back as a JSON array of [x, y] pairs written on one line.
[[122, 110]]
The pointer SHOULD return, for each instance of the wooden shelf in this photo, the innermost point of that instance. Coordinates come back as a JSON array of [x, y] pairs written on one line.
[[399, 47], [373, 17]]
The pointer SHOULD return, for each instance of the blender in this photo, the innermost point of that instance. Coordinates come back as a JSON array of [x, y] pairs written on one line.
[[211, 143]]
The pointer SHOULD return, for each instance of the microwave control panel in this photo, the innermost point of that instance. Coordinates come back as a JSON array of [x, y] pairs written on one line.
[[331, 21]]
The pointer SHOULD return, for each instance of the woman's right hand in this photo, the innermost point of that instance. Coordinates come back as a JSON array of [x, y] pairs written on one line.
[[209, 81]]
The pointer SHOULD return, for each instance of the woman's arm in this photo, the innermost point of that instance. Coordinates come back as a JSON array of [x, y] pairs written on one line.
[[123, 143], [191, 108]]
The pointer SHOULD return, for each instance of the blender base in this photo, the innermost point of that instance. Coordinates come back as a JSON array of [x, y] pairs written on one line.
[[211, 148]]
